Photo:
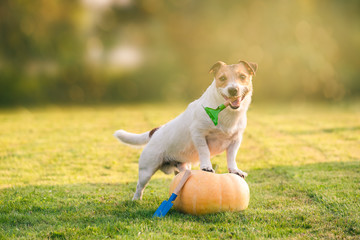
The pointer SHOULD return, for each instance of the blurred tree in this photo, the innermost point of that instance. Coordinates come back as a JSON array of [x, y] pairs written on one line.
[[39, 46], [91, 51]]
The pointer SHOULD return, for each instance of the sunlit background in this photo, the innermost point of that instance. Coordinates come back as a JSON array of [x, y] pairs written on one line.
[[114, 51]]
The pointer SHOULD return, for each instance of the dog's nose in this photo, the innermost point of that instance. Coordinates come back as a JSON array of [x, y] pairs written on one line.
[[233, 91]]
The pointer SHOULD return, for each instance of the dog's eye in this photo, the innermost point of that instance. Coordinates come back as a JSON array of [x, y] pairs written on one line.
[[242, 76], [222, 78]]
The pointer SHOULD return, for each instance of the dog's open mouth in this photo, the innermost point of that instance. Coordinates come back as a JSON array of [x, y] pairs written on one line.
[[234, 101]]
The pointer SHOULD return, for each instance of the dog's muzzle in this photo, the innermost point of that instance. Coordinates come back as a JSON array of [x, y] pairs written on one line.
[[233, 91], [234, 97]]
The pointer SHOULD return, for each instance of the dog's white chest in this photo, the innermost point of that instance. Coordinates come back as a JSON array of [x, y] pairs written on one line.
[[219, 141]]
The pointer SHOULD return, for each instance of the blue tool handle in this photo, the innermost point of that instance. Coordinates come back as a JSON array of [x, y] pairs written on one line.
[[172, 197]]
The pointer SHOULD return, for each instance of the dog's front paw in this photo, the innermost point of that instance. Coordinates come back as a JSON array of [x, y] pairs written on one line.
[[208, 169], [238, 172]]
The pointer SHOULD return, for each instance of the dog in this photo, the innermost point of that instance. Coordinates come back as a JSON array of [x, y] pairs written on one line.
[[192, 136]]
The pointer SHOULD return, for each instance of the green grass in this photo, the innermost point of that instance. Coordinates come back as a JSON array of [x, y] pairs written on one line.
[[63, 175]]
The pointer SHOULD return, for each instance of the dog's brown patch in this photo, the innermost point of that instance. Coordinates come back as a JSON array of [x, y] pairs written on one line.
[[251, 67], [153, 131]]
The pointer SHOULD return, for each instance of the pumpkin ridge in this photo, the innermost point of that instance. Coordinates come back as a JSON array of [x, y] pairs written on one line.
[[220, 205], [194, 204]]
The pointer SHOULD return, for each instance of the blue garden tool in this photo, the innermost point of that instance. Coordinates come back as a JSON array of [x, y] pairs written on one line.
[[166, 205]]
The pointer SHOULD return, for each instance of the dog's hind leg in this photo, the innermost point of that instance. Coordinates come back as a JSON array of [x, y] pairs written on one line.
[[144, 178], [148, 165]]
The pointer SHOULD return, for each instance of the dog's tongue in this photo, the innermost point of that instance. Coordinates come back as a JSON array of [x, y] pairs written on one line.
[[236, 103]]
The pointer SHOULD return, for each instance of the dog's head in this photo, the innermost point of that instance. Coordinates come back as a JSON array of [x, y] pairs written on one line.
[[234, 82]]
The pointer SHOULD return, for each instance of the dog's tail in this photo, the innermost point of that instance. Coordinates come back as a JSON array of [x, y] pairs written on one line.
[[133, 138]]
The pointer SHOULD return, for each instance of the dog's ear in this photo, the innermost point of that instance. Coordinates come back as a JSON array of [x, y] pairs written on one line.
[[251, 67], [215, 68]]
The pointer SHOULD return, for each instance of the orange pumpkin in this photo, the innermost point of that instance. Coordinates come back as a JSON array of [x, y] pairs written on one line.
[[206, 192]]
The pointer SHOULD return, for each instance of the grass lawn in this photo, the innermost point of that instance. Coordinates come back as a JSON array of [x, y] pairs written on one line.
[[63, 175]]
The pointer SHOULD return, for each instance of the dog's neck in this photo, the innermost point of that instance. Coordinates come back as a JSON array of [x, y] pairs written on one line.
[[211, 97]]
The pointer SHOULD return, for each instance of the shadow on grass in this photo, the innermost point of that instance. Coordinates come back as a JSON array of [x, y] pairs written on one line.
[[106, 209]]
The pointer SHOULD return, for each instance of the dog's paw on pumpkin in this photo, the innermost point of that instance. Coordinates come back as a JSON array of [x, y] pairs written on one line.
[[208, 169], [238, 172]]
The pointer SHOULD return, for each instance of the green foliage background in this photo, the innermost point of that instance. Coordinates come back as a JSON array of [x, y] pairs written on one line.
[[126, 50]]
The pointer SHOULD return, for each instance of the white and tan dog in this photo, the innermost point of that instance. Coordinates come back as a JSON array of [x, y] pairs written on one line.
[[192, 136]]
